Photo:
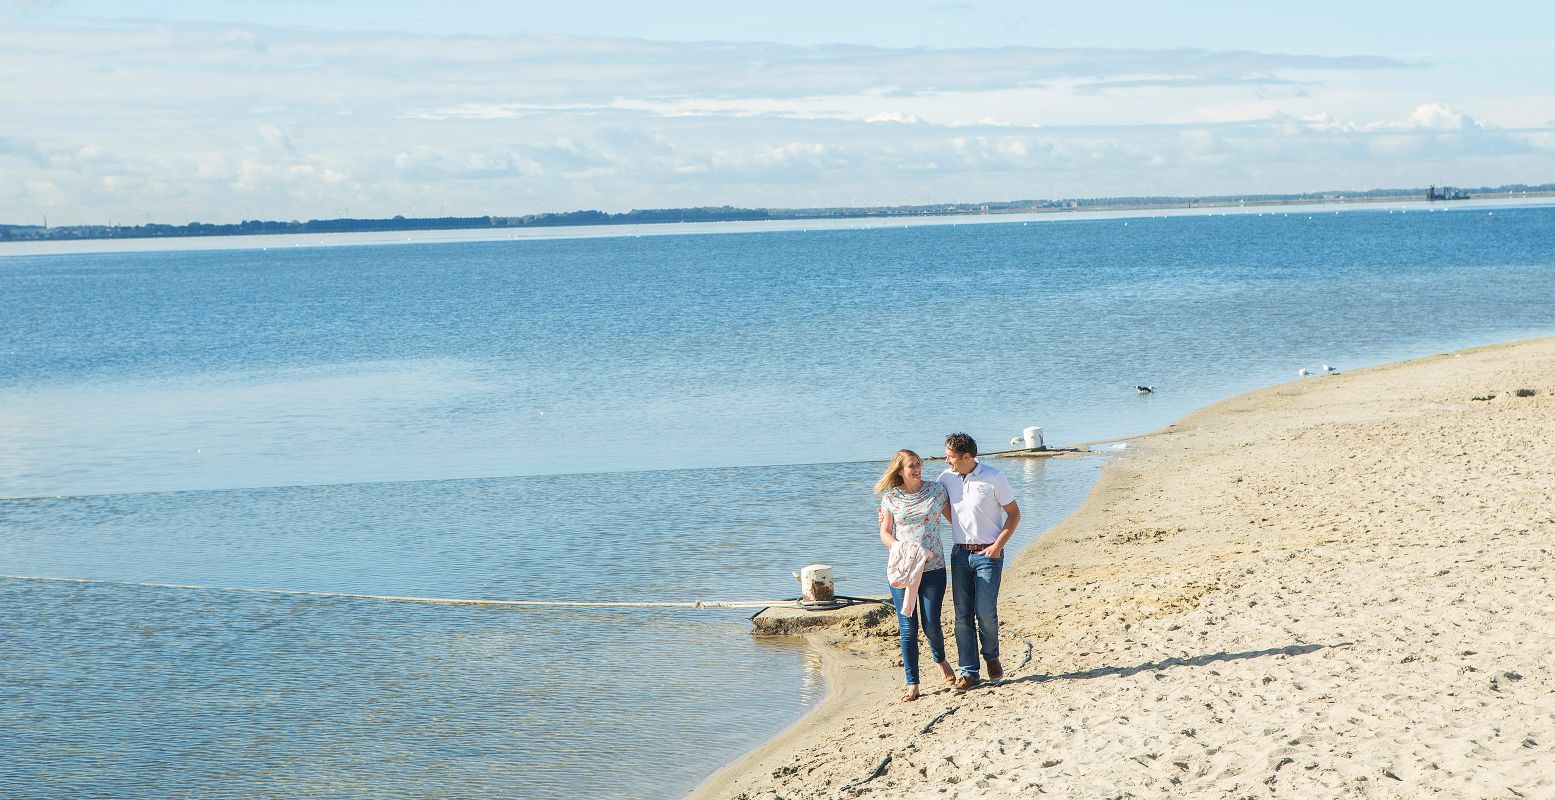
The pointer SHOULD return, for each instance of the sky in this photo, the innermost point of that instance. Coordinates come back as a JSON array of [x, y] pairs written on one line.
[[216, 111]]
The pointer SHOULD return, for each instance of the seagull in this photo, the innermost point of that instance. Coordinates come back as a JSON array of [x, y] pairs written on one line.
[[1303, 372], [1017, 440], [1143, 389], [1327, 370]]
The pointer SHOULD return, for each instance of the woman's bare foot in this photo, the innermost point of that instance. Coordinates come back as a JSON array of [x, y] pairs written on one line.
[[946, 672], [912, 693]]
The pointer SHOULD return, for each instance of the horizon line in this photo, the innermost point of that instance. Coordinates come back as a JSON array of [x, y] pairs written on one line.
[[729, 213]]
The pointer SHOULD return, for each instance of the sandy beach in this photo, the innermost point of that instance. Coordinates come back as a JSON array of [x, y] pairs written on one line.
[[1335, 587]]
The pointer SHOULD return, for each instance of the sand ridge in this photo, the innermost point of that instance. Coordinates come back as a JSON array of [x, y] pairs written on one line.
[[1337, 587]]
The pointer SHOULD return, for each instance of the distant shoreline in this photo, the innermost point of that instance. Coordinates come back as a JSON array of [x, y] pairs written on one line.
[[38, 247], [710, 214]]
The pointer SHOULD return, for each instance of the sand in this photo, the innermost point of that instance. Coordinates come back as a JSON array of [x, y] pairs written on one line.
[[1336, 587]]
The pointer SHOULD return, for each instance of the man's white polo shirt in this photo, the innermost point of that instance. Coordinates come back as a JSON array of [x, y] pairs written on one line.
[[977, 503]]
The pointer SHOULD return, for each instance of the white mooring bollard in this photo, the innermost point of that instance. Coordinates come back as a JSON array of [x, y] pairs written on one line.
[[1033, 436], [816, 584]]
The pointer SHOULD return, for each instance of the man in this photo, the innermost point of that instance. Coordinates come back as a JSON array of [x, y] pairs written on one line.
[[984, 515]]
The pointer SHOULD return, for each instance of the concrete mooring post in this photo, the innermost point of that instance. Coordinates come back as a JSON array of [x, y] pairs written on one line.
[[816, 584]]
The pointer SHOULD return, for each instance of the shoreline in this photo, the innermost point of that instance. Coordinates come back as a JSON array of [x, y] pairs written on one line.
[[1294, 532], [284, 241], [853, 682]]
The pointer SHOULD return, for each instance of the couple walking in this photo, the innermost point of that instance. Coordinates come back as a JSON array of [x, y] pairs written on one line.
[[979, 504]]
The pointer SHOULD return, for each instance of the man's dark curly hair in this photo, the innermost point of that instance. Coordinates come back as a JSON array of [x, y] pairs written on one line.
[[962, 444]]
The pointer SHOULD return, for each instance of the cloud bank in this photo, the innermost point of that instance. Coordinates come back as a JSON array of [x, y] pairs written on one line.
[[220, 123]]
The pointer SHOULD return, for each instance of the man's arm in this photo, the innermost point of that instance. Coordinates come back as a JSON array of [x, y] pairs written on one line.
[[1011, 519]]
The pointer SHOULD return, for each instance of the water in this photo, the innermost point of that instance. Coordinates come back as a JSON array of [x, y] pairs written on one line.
[[657, 418], [129, 691]]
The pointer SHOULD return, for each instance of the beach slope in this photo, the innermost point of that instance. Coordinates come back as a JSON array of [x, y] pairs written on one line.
[[1336, 587]]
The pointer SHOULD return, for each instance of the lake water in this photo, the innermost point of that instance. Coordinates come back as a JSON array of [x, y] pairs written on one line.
[[658, 418]]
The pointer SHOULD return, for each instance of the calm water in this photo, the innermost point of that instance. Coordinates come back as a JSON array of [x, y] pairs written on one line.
[[655, 418]]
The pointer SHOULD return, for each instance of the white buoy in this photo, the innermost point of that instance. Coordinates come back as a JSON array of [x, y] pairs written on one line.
[[816, 584], [1033, 437]]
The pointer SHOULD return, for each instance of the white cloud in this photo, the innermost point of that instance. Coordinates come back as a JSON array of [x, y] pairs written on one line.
[[1437, 116], [221, 124], [1428, 117], [899, 117]]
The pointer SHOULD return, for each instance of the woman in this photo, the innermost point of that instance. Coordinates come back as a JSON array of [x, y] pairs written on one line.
[[911, 513]]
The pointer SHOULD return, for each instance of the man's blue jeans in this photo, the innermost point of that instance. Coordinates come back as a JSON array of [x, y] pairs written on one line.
[[974, 582], [931, 598]]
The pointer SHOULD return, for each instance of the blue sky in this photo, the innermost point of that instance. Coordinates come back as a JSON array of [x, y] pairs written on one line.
[[220, 111]]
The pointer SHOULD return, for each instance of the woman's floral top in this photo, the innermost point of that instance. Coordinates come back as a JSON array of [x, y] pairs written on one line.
[[918, 516]]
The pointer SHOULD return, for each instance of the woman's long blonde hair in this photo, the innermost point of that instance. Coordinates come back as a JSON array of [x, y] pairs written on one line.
[[893, 474]]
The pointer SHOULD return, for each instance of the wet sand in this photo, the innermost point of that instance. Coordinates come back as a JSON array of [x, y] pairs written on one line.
[[1335, 587]]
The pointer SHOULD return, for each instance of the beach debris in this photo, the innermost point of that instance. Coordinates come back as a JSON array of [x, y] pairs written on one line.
[[1143, 389], [880, 768], [1525, 393], [943, 714], [1484, 397]]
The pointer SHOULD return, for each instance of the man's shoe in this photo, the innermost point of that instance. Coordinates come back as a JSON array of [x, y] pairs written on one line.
[[966, 682], [995, 669]]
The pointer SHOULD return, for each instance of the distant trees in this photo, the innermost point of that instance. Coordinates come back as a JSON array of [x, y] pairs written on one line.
[[668, 215], [396, 223]]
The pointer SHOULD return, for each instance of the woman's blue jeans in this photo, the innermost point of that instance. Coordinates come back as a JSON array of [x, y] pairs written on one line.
[[931, 598]]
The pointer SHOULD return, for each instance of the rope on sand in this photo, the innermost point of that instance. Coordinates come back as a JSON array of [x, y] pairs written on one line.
[[450, 601]]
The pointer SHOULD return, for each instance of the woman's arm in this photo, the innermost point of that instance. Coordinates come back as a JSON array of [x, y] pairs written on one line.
[[887, 527]]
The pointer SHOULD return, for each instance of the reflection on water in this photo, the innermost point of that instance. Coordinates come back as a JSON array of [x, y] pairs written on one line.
[[287, 426], [813, 683], [252, 368], [154, 693]]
